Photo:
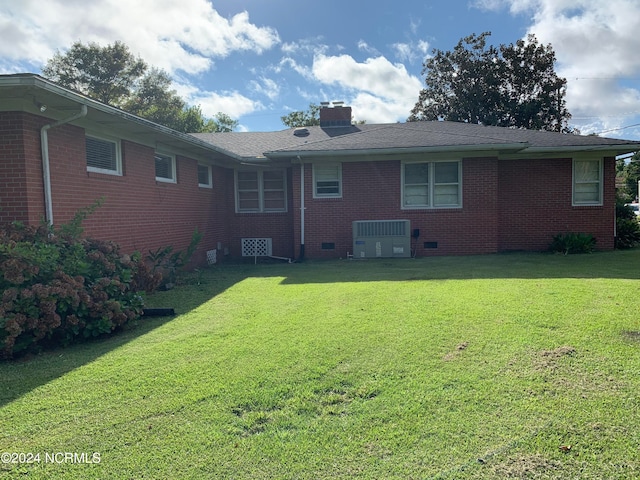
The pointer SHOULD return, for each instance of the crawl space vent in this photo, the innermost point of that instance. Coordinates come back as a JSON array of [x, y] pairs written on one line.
[[256, 247]]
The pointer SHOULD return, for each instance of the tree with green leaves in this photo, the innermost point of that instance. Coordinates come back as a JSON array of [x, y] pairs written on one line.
[[303, 118], [628, 171], [510, 86], [113, 75]]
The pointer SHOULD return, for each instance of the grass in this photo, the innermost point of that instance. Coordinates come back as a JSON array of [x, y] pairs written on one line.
[[503, 366]]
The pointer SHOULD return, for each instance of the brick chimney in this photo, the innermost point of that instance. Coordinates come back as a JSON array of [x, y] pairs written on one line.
[[334, 115]]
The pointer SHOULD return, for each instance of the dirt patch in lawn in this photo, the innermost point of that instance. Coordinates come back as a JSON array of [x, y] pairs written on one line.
[[631, 336], [546, 359], [453, 354], [525, 466]]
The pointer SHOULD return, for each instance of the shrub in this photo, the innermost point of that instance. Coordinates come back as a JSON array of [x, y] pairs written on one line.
[[166, 262], [567, 243], [627, 227], [59, 288]]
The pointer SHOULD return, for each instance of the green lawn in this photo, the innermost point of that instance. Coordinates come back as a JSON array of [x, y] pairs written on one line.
[[502, 366]]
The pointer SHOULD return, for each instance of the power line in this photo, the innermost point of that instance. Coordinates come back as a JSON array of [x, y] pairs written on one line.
[[620, 128]]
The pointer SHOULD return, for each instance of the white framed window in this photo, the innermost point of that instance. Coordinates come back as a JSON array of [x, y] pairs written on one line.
[[261, 191], [327, 180], [432, 184], [587, 181], [103, 155], [204, 176], [165, 167]]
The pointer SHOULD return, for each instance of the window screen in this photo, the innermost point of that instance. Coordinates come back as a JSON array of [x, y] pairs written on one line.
[[101, 155], [165, 167]]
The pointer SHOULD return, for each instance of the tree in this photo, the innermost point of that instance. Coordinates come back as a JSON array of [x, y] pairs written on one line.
[[628, 170], [511, 85], [152, 98], [223, 123], [305, 118], [107, 74], [113, 75]]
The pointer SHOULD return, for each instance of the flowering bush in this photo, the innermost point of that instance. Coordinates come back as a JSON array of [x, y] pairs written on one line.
[[59, 288]]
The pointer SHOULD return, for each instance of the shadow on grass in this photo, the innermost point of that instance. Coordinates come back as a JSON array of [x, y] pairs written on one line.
[[21, 375], [612, 265]]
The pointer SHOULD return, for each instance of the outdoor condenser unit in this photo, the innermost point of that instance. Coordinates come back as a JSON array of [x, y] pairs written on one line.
[[381, 238]]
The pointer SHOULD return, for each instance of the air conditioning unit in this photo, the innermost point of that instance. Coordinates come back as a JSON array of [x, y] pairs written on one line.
[[381, 238]]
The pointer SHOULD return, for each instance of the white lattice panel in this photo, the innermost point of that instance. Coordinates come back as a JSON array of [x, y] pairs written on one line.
[[212, 256], [256, 247]]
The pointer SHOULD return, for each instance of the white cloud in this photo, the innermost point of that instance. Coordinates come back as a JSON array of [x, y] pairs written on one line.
[[384, 92], [596, 45], [411, 52], [365, 47], [171, 35], [289, 62], [307, 46], [266, 87], [232, 103]]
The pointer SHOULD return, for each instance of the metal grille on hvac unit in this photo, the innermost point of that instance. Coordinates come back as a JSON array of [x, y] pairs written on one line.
[[256, 247], [382, 228]]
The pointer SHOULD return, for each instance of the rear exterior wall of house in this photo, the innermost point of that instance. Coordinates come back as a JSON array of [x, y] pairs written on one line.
[[506, 206], [535, 203], [138, 212]]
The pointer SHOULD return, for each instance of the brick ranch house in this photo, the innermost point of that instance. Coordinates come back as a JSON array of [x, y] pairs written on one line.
[[328, 191]]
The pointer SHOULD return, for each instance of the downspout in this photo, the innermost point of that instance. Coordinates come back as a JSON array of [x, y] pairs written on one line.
[[46, 173], [301, 209]]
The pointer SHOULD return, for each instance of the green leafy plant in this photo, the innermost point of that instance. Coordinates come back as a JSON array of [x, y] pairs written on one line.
[[168, 262], [569, 243], [59, 288], [627, 227]]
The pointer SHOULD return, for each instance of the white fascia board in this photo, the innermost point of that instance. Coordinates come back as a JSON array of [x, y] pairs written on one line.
[[548, 152], [36, 81], [480, 150]]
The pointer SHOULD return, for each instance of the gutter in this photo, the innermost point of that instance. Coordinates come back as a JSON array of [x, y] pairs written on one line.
[[616, 149], [503, 147], [46, 172], [32, 80]]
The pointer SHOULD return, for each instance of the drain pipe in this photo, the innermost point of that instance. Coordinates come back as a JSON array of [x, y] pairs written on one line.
[[46, 173], [301, 208]]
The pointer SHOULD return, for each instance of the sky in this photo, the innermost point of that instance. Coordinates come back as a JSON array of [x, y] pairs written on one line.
[[258, 60]]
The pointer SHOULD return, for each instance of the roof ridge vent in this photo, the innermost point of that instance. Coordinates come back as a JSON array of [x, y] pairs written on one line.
[[301, 132]]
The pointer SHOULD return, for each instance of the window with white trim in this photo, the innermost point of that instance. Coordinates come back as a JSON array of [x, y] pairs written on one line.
[[327, 180], [165, 167], [432, 184], [103, 155], [587, 181], [261, 191], [204, 176]]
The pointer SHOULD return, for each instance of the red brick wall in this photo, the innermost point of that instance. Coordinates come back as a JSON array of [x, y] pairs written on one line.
[[535, 205], [21, 187], [507, 205], [275, 225], [138, 212], [371, 191]]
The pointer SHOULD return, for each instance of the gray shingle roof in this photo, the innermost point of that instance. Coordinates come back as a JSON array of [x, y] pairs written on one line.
[[411, 136]]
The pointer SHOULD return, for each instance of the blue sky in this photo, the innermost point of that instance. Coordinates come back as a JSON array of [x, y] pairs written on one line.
[[257, 60]]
